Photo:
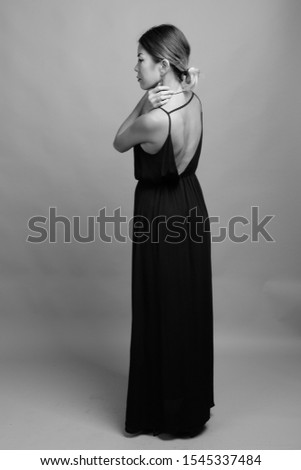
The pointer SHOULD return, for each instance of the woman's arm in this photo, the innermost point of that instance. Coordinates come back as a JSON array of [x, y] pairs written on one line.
[[143, 129], [141, 126], [137, 111]]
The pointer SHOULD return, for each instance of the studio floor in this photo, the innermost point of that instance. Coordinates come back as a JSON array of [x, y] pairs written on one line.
[[67, 401]]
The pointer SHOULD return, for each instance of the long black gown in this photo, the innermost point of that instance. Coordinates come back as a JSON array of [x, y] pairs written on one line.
[[170, 382]]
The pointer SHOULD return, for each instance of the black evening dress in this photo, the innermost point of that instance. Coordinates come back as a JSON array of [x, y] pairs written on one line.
[[170, 381]]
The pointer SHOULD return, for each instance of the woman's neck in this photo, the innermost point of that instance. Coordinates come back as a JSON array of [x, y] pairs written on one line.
[[172, 83]]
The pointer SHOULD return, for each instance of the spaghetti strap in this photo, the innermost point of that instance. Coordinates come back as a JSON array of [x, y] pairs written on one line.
[[168, 119], [201, 111], [185, 104], [200, 102]]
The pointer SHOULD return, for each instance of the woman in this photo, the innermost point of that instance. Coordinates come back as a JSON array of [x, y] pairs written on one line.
[[170, 386]]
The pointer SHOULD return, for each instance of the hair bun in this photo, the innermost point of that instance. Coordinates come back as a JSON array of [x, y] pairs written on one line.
[[191, 77], [193, 70]]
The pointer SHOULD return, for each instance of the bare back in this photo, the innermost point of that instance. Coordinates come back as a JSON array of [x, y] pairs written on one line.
[[185, 128]]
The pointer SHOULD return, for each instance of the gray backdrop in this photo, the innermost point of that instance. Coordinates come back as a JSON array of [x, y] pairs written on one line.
[[67, 83]]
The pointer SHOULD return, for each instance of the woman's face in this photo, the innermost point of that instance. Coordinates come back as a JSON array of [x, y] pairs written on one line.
[[148, 72]]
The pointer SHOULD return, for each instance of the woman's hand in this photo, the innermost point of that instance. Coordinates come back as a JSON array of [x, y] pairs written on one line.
[[156, 97]]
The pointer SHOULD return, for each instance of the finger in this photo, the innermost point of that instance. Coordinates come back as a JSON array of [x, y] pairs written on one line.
[[165, 98], [163, 102], [166, 94], [162, 87]]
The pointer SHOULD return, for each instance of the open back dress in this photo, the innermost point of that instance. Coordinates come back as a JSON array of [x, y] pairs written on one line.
[[170, 381]]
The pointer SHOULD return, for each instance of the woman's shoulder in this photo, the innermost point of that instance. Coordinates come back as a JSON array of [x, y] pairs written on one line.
[[155, 121], [157, 116]]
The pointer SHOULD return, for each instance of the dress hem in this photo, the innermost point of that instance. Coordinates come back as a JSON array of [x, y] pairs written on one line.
[[165, 430]]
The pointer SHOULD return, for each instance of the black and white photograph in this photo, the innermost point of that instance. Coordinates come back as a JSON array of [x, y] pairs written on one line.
[[150, 224]]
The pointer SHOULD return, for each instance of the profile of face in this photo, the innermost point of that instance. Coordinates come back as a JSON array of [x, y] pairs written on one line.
[[148, 71]]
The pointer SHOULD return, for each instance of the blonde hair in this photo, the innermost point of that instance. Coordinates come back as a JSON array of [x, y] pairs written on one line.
[[191, 78], [166, 41]]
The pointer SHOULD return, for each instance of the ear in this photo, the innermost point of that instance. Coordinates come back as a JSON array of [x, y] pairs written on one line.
[[165, 64]]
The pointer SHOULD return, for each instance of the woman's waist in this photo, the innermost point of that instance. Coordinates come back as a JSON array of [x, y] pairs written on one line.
[[173, 180]]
